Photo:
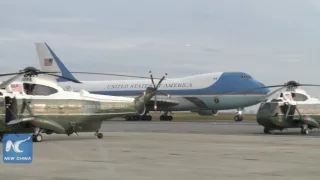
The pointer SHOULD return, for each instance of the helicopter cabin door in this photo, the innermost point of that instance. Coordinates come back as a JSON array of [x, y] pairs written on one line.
[[11, 108], [288, 110]]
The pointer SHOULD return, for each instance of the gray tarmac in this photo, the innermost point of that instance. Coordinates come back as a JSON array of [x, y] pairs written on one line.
[[173, 150], [227, 127]]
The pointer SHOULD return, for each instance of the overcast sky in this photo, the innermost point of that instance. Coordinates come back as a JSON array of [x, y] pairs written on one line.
[[274, 40]]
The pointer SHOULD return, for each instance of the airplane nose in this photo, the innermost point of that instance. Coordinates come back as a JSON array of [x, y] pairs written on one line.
[[264, 90]]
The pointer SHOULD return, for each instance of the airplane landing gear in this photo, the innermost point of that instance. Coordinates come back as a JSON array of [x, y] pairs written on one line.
[[138, 117], [239, 116], [165, 118], [146, 117]]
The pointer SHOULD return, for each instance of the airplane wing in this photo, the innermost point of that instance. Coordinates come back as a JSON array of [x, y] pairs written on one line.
[[163, 102], [41, 123]]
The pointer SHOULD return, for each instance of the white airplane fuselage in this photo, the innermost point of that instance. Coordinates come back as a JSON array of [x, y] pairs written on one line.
[[198, 92], [203, 93]]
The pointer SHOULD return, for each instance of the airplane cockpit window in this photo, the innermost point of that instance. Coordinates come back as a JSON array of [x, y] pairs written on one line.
[[247, 77], [38, 89]]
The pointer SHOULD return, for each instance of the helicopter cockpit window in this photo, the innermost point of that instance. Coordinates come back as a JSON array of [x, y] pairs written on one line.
[[299, 97], [38, 89], [268, 106], [264, 105]]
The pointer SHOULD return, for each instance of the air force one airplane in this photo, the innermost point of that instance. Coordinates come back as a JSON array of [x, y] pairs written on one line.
[[202, 93]]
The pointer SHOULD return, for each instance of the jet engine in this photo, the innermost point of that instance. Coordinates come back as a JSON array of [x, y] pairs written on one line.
[[207, 112]]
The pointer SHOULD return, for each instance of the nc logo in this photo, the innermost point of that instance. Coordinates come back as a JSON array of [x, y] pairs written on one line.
[[15, 145], [17, 148]]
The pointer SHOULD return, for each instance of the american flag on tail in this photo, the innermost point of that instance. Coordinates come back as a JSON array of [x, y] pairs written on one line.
[[16, 87], [48, 62]]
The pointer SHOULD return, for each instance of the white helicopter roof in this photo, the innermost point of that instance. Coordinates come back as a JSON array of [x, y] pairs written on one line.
[[295, 96], [48, 88]]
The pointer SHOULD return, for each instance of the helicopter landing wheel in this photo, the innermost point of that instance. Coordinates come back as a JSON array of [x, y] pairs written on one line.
[[305, 131], [37, 138], [266, 131], [128, 118], [100, 135]]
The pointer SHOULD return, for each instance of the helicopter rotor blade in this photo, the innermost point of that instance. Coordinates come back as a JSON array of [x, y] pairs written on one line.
[[159, 83], [309, 85], [163, 77], [9, 81], [252, 89], [154, 89], [10, 74], [155, 102], [151, 77], [286, 85], [168, 95], [289, 84], [108, 74], [28, 71], [273, 93], [69, 79]]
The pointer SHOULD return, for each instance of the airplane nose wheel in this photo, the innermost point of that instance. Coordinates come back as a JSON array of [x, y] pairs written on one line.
[[238, 118], [99, 135]]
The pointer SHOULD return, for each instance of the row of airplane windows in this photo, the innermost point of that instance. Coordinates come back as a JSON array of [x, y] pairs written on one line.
[[215, 78]]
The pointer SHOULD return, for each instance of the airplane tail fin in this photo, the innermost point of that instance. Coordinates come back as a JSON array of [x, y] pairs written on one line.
[[50, 62]]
